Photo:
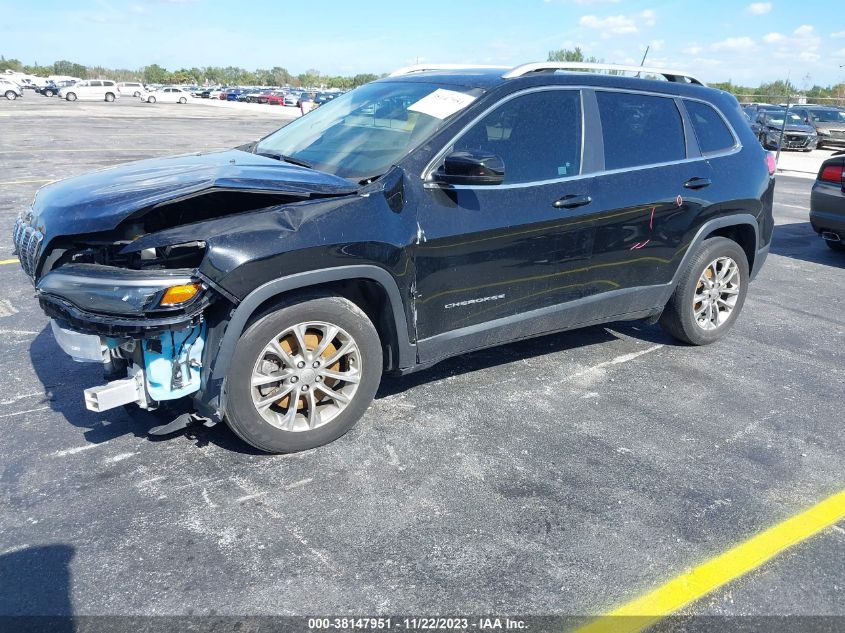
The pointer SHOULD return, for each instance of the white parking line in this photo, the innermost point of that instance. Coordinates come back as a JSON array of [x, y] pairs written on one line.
[[624, 358], [8, 415], [74, 451]]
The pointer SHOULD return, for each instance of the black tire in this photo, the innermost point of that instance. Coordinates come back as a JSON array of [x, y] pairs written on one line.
[[48, 93], [71, 96], [136, 94], [151, 99], [241, 414], [183, 100], [11, 95], [678, 318], [109, 97], [835, 246]]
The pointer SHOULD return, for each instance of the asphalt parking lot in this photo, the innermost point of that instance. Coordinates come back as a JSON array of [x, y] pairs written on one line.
[[564, 475]]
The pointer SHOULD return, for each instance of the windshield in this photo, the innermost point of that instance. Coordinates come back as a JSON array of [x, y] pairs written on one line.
[[360, 134], [828, 116], [776, 118]]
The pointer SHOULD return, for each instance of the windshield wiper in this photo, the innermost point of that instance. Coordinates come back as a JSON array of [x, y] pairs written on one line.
[[287, 159]]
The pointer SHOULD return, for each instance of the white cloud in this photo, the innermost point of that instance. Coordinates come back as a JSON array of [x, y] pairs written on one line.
[[693, 49], [734, 45], [805, 30], [657, 45], [619, 24], [773, 38], [759, 8], [614, 24], [838, 34]]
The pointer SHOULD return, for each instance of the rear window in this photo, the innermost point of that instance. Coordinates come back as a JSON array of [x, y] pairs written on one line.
[[640, 129], [710, 129]]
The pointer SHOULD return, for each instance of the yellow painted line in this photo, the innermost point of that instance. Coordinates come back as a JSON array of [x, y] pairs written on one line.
[[3, 262], [24, 182], [643, 612]]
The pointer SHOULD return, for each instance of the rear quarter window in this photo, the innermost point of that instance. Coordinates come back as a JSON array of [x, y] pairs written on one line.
[[640, 129], [710, 128]]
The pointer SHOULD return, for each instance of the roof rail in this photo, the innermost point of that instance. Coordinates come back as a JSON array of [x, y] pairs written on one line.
[[419, 68], [536, 67]]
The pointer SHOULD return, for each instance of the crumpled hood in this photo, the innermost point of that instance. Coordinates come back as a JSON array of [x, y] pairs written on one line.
[[99, 201]]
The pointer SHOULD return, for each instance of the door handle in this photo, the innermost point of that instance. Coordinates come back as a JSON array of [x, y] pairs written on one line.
[[571, 201], [697, 183]]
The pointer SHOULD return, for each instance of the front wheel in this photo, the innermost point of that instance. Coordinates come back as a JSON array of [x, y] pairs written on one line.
[[48, 93], [183, 100], [709, 295], [151, 99], [71, 96], [303, 375], [136, 94], [109, 97], [11, 95]]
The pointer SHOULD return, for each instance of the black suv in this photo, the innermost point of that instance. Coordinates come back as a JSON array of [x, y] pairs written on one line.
[[425, 215]]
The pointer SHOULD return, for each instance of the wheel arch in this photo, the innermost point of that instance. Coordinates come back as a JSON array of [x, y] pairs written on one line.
[[741, 228], [370, 287], [743, 234]]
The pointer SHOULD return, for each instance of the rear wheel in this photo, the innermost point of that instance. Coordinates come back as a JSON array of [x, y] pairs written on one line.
[[151, 99], [303, 375], [11, 95], [48, 93], [836, 246], [709, 295], [109, 97], [71, 96], [136, 94]]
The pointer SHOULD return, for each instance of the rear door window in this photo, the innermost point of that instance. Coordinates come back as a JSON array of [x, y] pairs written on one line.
[[537, 135], [710, 128], [640, 129]]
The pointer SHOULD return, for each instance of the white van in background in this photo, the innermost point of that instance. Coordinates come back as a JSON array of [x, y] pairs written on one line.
[[134, 88], [91, 90]]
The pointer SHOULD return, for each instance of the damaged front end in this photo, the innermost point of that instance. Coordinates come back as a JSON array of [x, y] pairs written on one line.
[[146, 327], [115, 258]]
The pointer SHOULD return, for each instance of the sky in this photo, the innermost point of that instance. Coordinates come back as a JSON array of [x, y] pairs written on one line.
[[716, 40]]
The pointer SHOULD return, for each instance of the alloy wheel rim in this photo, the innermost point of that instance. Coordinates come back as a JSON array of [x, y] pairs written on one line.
[[716, 293], [306, 376]]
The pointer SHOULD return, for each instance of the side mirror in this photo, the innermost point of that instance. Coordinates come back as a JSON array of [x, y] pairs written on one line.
[[471, 168]]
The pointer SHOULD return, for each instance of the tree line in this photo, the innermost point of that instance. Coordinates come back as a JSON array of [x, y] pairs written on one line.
[[228, 75]]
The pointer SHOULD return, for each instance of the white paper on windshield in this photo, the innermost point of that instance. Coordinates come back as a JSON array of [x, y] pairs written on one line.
[[442, 103]]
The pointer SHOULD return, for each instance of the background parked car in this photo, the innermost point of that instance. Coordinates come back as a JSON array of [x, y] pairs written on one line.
[[829, 124], [91, 90], [292, 99], [167, 95], [10, 89], [796, 133], [827, 202], [51, 88], [324, 97], [134, 88], [277, 97]]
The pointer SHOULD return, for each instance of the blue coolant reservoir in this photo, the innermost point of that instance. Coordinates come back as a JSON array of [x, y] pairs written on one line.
[[174, 371]]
